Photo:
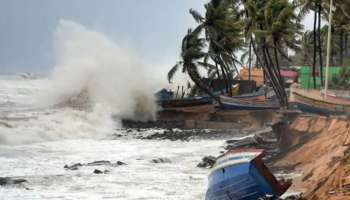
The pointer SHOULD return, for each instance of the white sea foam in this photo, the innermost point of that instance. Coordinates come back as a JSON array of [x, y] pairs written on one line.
[[111, 78], [88, 61]]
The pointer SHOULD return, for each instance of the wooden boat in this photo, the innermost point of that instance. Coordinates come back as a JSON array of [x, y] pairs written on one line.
[[260, 94], [231, 103], [313, 101], [242, 175], [185, 102], [337, 95]]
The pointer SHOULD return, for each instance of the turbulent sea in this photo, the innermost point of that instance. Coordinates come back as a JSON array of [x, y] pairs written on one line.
[[37, 141]]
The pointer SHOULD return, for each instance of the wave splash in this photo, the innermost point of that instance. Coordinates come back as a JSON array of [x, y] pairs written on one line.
[[94, 82], [91, 64]]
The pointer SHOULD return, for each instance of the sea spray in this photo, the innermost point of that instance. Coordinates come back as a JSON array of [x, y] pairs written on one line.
[[87, 61], [93, 83]]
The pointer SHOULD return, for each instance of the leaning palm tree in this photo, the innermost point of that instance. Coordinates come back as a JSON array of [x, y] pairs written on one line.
[[224, 37], [191, 55], [273, 28]]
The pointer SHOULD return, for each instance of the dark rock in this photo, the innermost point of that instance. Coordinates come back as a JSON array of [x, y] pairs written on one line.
[[120, 163], [10, 181], [18, 181], [95, 163], [99, 163], [207, 162], [161, 160], [97, 171], [4, 181], [73, 167]]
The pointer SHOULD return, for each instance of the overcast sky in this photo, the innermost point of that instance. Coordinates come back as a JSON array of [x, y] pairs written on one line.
[[151, 28]]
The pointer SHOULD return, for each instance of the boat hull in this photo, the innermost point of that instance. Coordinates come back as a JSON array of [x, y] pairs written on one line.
[[239, 182], [306, 108], [229, 103], [174, 103], [319, 105]]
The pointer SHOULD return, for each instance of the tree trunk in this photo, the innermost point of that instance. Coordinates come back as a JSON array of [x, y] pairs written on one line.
[[250, 60], [276, 73], [218, 74], [341, 44], [315, 47], [346, 45], [320, 41], [258, 59], [285, 97], [271, 75], [196, 79], [225, 76]]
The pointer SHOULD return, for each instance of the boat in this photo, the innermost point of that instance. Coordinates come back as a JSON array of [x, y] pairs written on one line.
[[337, 94], [231, 103], [241, 175], [167, 99], [260, 94], [313, 101], [184, 102], [319, 102]]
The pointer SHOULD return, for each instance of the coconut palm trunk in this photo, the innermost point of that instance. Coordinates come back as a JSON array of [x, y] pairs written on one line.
[[341, 45], [315, 46], [320, 41]]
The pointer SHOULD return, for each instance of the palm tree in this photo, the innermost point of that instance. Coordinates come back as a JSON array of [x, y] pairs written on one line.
[[317, 7], [273, 28], [191, 54], [224, 36]]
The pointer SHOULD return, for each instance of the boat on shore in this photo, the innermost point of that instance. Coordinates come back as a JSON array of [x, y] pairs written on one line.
[[167, 99], [313, 101], [241, 175], [185, 102], [251, 103]]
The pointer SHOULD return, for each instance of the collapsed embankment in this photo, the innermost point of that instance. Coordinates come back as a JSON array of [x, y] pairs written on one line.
[[317, 148]]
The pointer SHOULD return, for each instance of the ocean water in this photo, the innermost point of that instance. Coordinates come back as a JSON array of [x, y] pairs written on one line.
[[37, 141]]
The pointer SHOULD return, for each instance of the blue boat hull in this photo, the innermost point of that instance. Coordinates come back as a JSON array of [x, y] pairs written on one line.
[[315, 110], [246, 107], [238, 182]]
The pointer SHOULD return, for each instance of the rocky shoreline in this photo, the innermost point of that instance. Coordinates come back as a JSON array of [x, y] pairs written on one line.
[[315, 149]]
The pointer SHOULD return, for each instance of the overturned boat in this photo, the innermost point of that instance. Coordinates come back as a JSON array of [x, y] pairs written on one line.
[[242, 175]]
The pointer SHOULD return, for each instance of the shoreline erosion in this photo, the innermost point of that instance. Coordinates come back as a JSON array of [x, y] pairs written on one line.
[[312, 150]]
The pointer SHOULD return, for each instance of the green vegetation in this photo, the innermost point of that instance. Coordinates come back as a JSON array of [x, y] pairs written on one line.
[[265, 31], [342, 80]]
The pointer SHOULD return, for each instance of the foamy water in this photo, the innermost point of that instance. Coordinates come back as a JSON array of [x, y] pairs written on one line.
[[35, 144]]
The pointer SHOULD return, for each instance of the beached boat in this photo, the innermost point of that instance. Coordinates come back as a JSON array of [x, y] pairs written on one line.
[[255, 103], [260, 94], [242, 175], [313, 101], [167, 99], [185, 102]]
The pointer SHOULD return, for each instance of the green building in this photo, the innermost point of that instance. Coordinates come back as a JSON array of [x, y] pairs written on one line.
[[306, 79]]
